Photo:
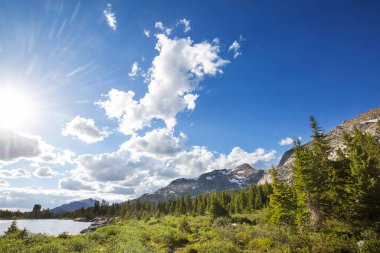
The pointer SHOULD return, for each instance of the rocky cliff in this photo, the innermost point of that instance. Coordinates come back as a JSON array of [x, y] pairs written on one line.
[[366, 122]]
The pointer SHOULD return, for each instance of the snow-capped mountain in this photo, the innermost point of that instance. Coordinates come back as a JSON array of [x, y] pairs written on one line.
[[217, 180]]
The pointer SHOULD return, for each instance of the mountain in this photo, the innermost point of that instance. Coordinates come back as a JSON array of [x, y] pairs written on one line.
[[217, 180], [73, 206], [366, 122]]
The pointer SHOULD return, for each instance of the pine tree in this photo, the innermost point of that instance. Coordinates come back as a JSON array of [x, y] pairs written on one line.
[[363, 152], [312, 175], [216, 209], [282, 202]]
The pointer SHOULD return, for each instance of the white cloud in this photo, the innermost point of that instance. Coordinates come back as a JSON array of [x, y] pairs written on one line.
[[45, 172], [235, 47], [287, 141], [156, 143], [74, 184], [147, 33], [3, 183], [21, 146], [85, 130], [14, 173], [160, 26], [149, 162], [136, 70], [15, 145], [173, 77], [110, 17], [186, 24], [53, 155]]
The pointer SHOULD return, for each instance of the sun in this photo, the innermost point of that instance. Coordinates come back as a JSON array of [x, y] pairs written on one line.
[[16, 108]]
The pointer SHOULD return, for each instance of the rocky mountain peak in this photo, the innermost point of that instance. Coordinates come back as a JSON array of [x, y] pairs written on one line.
[[217, 180], [366, 122]]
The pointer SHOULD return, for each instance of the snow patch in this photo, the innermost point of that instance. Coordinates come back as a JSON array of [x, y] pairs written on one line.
[[370, 121], [234, 180]]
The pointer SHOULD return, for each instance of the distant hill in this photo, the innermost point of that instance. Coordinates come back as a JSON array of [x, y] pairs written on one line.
[[73, 206], [217, 180], [366, 122]]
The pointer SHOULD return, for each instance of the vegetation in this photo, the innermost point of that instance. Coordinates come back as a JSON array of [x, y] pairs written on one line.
[[36, 213], [331, 204]]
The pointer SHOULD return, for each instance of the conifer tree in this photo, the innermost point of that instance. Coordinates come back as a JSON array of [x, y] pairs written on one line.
[[312, 175], [363, 152], [282, 202], [216, 209]]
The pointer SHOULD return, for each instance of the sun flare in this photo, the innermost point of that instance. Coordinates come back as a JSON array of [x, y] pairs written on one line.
[[16, 108]]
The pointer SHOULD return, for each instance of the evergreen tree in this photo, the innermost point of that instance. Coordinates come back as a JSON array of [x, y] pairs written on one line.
[[363, 152], [312, 175], [216, 209], [282, 202]]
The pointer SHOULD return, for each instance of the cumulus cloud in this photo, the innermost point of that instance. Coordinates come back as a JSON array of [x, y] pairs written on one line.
[[45, 172], [110, 17], [175, 74], [287, 141], [186, 23], [21, 146], [151, 161], [235, 47], [147, 33], [74, 184], [15, 145], [85, 130], [160, 26], [156, 143], [14, 173]]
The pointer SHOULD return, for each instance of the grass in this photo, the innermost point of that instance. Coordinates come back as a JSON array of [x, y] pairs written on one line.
[[240, 233]]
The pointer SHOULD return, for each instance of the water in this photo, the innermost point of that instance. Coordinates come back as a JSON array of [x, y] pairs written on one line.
[[48, 226]]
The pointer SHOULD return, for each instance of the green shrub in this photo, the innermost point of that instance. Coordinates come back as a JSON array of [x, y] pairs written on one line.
[[325, 243], [63, 235], [221, 221], [217, 246], [184, 225], [260, 244]]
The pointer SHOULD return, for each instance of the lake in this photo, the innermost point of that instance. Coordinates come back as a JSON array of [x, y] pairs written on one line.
[[47, 226]]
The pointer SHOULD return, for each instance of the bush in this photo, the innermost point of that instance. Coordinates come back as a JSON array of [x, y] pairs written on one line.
[[370, 242], [184, 225], [217, 246], [261, 244], [325, 243], [63, 235], [12, 228], [221, 222]]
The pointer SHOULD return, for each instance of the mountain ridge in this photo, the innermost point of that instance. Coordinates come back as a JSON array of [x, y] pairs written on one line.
[[73, 206], [216, 180]]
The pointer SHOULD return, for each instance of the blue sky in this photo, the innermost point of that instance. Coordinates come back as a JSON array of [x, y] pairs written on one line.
[[214, 84]]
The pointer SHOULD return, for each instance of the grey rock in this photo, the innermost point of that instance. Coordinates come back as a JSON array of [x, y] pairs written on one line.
[[366, 122]]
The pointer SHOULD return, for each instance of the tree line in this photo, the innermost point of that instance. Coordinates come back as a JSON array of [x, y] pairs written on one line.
[[36, 213], [217, 204]]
